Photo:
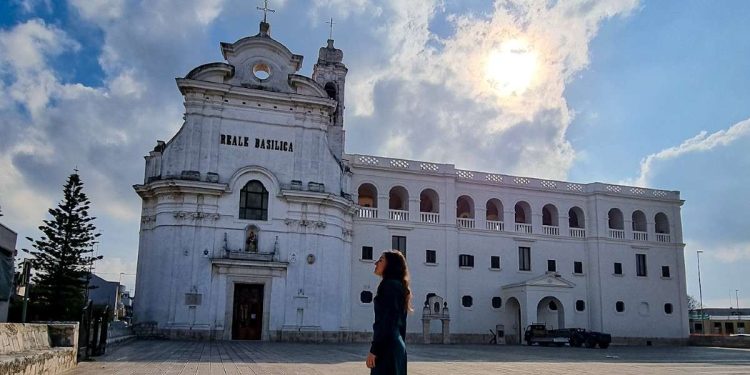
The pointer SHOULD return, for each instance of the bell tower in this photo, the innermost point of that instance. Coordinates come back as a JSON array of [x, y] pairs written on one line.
[[330, 73]]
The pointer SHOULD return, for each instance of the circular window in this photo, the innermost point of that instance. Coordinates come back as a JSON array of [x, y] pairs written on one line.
[[467, 301], [261, 71], [365, 296]]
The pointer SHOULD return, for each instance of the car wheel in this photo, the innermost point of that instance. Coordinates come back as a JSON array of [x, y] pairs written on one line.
[[590, 344]]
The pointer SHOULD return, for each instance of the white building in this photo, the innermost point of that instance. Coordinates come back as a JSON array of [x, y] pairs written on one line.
[[256, 225]]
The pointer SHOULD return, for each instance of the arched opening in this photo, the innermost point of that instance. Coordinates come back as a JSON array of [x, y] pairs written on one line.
[[465, 207], [615, 220], [254, 201], [522, 212], [398, 204], [639, 221], [494, 216], [330, 88], [398, 198], [661, 223], [512, 321], [367, 196], [576, 218], [550, 216], [429, 206], [550, 311]]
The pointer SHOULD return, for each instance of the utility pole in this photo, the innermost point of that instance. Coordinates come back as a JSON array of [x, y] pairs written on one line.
[[737, 301], [25, 276], [700, 291]]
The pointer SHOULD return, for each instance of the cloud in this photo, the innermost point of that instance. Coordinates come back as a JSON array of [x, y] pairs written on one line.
[[465, 87], [702, 142]]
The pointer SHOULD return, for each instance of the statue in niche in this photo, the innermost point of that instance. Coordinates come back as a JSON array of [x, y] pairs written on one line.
[[251, 240]]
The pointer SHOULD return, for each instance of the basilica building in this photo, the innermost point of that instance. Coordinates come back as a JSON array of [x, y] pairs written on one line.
[[256, 225]]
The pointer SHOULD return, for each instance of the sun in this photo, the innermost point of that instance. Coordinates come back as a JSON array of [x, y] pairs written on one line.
[[511, 68]]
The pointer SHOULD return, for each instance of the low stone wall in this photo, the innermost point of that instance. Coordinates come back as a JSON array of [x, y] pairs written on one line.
[[119, 332], [720, 341], [31, 349]]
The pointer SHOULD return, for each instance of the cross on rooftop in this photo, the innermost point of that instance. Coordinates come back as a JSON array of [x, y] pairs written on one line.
[[330, 32], [265, 10]]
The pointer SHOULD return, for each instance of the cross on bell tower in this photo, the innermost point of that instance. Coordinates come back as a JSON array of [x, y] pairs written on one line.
[[265, 27]]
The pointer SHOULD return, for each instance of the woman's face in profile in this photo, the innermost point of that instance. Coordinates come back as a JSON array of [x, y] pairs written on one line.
[[380, 266]]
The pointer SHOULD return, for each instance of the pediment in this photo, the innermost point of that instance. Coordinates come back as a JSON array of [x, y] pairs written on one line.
[[548, 280]]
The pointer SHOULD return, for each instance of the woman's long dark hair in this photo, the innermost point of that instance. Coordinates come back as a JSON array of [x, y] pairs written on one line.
[[396, 268]]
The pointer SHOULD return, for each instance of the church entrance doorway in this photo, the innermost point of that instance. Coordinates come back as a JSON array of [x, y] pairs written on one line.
[[513, 328], [247, 317], [550, 311]]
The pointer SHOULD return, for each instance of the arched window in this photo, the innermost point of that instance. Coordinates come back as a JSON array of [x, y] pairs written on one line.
[[661, 223], [429, 201], [549, 215], [576, 218], [494, 210], [523, 212], [367, 195], [639, 221], [330, 88], [465, 207], [254, 201], [615, 219], [398, 199]]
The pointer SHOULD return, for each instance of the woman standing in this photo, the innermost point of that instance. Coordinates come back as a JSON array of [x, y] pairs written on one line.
[[393, 300]]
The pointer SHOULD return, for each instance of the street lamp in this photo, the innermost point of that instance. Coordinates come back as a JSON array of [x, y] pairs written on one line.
[[700, 291], [737, 301]]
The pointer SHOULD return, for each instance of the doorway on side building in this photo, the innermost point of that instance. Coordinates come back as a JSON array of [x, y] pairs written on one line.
[[247, 316]]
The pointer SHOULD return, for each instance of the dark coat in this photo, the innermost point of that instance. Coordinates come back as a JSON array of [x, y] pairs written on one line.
[[389, 329]]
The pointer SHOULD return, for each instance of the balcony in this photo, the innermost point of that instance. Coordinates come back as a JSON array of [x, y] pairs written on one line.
[[617, 234], [398, 215], [578, 232], [495, 225], [465, 222], [523, 228], [550, 230], [367, 212], [429, 217], [663, 237], [640, 236]]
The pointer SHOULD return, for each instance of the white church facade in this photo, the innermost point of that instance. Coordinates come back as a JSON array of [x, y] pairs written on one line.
[[257, 225]]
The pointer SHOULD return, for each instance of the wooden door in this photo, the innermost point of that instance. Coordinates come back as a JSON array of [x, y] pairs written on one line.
[[247, 317]]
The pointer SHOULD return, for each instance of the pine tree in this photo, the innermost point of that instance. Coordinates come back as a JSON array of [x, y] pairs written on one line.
[[64, 255]]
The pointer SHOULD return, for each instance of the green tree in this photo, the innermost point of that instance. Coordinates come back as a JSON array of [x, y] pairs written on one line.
[[63, 255]]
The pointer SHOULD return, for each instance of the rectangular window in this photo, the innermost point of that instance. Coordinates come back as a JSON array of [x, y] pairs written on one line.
[[551, 265], [399, 243], [618, 268], [665, 271], [465, 260], [524, 258], [640, 265], [495, 262], [578, 267], [430, 256], [367, 252]]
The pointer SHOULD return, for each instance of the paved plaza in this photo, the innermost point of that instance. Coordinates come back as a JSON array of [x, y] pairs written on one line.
[[249, 357]]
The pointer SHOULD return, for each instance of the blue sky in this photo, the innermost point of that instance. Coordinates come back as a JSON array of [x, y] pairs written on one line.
[[651, 93]]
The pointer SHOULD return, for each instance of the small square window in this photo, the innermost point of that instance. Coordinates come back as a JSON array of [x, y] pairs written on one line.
[[367, 252], [578, 267], [365, 296], [665, 271], [467, 301], [618, 268], [620, 306], [465, 260], [668, 308], [551, 265], [430, 256], [497, 302], [495, 262], [580, 305]]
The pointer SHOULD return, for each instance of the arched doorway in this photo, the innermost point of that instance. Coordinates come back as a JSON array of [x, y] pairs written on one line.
[[550, 311], [512, 321]]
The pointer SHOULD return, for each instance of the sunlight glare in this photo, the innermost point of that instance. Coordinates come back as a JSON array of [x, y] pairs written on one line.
[[511, 68]]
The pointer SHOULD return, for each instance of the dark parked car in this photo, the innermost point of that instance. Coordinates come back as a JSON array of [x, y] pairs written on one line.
[[576, 337]]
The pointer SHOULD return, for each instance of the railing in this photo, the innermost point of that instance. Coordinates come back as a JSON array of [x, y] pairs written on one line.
[[465, 222], [429, 217], [367, 212], [398, 215], [578, 232], [640, 236], [551, 230], [495, 225], [523, 228], [617, 234], [661, 237]]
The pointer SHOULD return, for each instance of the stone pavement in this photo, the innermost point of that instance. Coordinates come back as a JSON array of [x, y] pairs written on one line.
[[248, 357]]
